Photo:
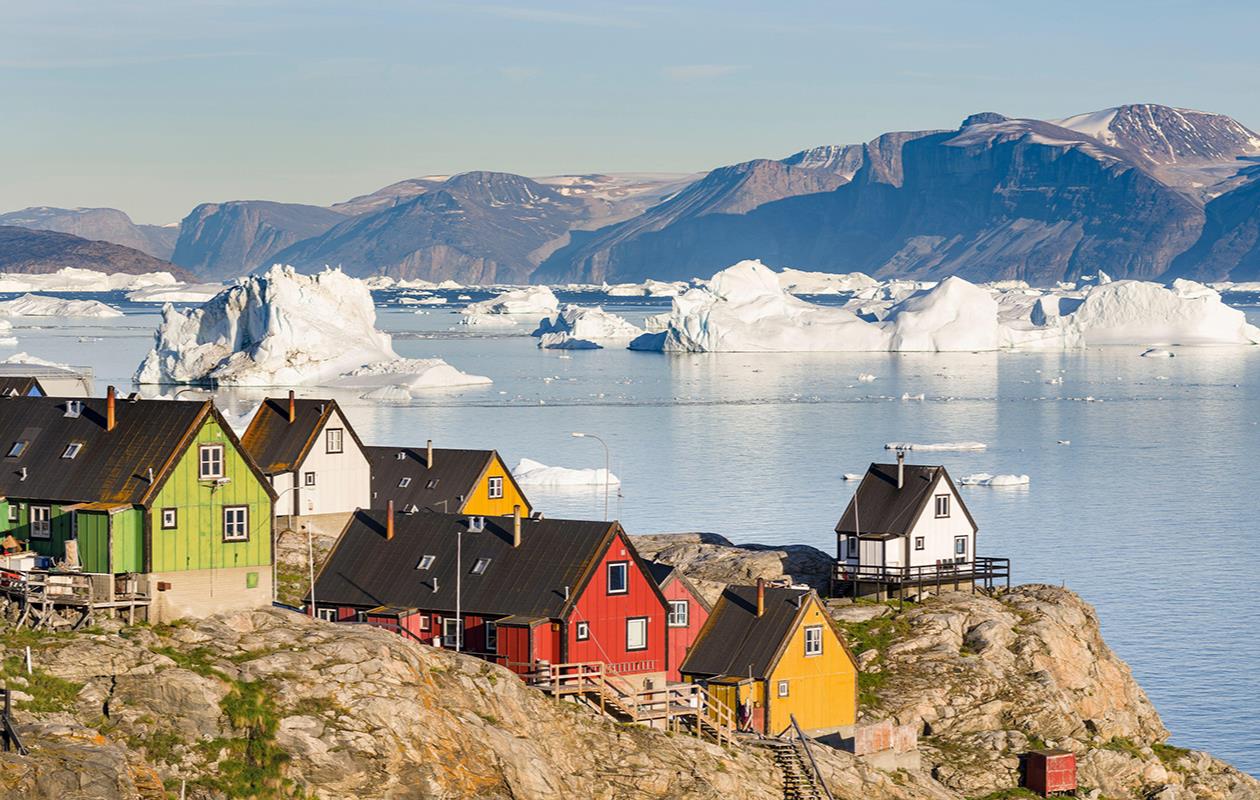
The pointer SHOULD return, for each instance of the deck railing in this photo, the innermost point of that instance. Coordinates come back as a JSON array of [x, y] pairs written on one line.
[[989, 570]]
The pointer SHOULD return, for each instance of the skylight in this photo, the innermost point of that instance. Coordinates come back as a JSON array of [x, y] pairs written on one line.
[[426, 562], [72, 450], [479, 568], [17, 449], [432, 484], [404, 483]]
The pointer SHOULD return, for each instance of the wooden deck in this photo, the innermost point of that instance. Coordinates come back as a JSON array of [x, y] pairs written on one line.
[[847, 580], [45, 595]]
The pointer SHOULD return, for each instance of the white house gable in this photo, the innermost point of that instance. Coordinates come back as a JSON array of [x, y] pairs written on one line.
[[942, 532], [335, 476]]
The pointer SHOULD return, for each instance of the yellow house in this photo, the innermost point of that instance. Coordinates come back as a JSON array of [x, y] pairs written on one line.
[[771, 653], [445, 480]]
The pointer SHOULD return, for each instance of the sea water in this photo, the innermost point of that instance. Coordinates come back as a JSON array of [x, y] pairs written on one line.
[[1150, 512]]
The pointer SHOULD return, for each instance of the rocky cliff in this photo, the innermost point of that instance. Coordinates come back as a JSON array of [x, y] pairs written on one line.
[[224, 240]]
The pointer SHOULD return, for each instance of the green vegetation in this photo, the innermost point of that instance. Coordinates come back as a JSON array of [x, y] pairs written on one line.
[[1120, 744], [252, 766], [197, 660], [157, 746], [874, 634], [1170, 755], [48, 692]]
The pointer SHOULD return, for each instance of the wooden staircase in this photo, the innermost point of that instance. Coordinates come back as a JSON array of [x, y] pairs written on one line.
[[801, 778], [677, 706]]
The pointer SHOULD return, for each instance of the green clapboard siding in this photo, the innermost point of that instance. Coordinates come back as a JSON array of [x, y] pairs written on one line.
[[127, 540], [196, 542], [94, 541]]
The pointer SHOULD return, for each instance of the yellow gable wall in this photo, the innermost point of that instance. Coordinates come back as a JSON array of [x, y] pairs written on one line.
[[479, 501], [822, 689]]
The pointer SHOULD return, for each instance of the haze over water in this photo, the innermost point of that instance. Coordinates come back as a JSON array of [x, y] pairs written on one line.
[[1149, 512]]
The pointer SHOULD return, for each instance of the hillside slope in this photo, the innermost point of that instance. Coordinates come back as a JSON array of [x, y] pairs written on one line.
[[38, 251], [224, 240], [98, 224]]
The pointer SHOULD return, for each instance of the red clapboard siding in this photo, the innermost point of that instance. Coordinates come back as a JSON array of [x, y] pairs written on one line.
[[514, 648], [546, 643], [681, 639], [607, 615]]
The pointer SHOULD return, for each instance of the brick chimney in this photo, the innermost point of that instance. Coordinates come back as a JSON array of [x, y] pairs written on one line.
[[292, 408], [761, 596], [901, 468], [516, 526], [428, 455], [111, 400], [389, 520]]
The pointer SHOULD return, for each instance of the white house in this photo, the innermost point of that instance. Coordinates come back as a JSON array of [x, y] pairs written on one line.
[[312, 456], [907, 524]]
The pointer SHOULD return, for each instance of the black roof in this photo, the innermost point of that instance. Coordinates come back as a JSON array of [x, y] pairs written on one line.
[[366, 569], [736, 642], [443, 488], [277, 445], [19, 385], [882, 508], [663, 573], [111, 466]]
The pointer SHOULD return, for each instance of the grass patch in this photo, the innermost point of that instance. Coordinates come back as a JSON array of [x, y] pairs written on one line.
[[250, 766], [316, 707], [196, 660], [1009, 794], [1120, 744], [869, 686], [1170, 755], [48, 692], [157, 746]]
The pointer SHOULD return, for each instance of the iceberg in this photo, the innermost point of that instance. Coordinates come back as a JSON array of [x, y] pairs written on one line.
[[283, 328], [531, 300], [580, 328], [534, 473], [7, 339], [649, 288], [744, 308], [800, 282], [985, 479], [36, 305], [175, 293], [73, 279], [937, 447]]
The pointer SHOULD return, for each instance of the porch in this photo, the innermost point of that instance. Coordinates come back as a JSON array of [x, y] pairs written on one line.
[[886, 582]]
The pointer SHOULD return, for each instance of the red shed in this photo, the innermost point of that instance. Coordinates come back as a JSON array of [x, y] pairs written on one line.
[[529, 590], [1049, 771], [688, 612]]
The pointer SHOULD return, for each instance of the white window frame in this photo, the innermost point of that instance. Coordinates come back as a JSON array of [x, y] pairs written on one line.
[[232, 524], [676, 619], [41, 522], [480, 566], [308, 479], [72, 450], [813, 640], [624, 566], [960, 546], [424, 622], [783, 689], [209, 462], [582, 631], [492, 636], [174, 519], [854, 548], [426, 561], [15, 512], [404, 482], [920, 543], [640, 623], [942, 506], [327, 614], [335, 444], [17, 448], [448, 624], [494, 487]]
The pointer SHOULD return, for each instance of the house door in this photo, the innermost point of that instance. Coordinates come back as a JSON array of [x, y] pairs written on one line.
[[452, 633]]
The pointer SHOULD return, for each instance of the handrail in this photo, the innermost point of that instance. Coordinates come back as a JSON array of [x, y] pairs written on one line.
[[985, 566], [800, 735]]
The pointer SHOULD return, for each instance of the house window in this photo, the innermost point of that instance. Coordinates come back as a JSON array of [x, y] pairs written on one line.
[[426, 561], [636, 633], [492, 636], [679, 613], [327, 614], [479, 568], [496, 487], [424, 622], [617, 578], [942, 506], [403, 483], [783, 688], [918, 543], [236, 523], [853, 547], [17, 449], [583, 631], [813, 640], [14, 509], [308, 479], [41, 522], [72, 450], [210, 461], [170, 518], [452, 633], [960, 546], [333, 439]]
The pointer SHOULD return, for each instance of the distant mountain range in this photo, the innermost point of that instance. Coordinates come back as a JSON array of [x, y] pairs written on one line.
[[39, 251], [1143, 191]]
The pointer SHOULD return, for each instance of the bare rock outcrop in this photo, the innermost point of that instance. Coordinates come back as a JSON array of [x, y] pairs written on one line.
[[712, 562]]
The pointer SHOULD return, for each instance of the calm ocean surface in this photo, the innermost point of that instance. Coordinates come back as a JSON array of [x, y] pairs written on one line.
[[1150, 512]]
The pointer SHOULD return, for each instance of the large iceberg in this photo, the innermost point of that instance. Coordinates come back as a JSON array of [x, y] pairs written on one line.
[[579, 328], [38, 305], [175, 293], [745, 308], [800, 282], [535, 473], [530, 300], [73, 279], [283, 328]]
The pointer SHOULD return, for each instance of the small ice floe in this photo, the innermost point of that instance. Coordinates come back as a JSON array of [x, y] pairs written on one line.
[[985, 479], [534, 473], [908, 396], [937, 446], [388, 394], [1056, 380], [865, 377], [852, 476], [1065, 441], [464, 297], [1156, 352]]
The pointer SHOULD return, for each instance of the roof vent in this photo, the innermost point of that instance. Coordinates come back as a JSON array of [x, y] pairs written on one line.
[[74, 408], [22, 473], [435, 586], [133, 397], [476, 524], [402, 455]]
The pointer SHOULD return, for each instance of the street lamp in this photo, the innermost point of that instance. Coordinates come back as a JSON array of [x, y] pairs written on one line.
[[607, 465]]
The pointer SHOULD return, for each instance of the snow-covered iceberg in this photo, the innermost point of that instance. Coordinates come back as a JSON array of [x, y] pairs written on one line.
[[7, 339], [744, 308], [175, 293], [648, 288], [534, 473], [72, 279], [283, 328], [530, 300], [580, 328], [36, 305], [800, 282], [937, 446], [985, 479]]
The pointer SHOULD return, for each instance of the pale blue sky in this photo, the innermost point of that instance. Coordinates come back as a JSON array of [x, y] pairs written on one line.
[[155, 105]]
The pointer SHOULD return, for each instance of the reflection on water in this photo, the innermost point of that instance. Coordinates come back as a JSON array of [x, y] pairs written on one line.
[[1149, 512]]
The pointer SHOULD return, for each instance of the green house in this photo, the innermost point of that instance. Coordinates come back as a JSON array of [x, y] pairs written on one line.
[[158, 488]]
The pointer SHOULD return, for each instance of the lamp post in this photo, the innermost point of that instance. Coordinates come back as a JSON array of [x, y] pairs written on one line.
[[607, 465]]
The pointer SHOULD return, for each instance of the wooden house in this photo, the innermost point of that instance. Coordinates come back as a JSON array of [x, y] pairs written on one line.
[[907, 526], [311, 455], [771, 653], [528, 591], [444, 480], [159, 489], [21, 386], [688, 611]]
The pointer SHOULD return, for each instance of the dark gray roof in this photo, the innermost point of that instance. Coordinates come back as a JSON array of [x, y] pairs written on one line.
[[443, 488], [735, 641], [664, 573], [277, 445], [366, 569], [20, 385], [883, 508], [112, 466]]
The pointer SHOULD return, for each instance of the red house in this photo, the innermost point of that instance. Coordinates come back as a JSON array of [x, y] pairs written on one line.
[[688, 612], [529, 590]]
